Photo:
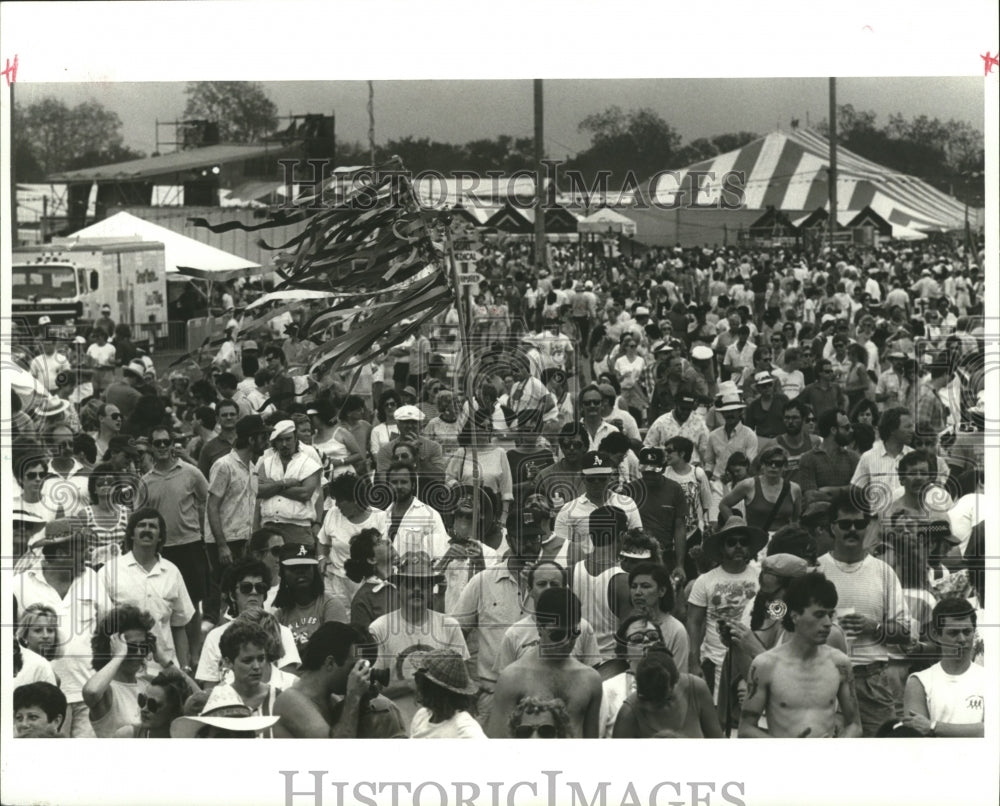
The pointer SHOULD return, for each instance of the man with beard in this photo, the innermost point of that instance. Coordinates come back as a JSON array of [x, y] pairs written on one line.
[[413, 628], [721, 594], [872, 610], [826, 470], [798, 684], [550, 670]]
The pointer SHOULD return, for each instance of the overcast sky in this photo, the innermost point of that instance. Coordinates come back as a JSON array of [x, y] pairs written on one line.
[[458, 111]]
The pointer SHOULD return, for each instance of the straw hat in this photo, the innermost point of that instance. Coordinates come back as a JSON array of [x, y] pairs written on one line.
[[445, 668], [224, 710]]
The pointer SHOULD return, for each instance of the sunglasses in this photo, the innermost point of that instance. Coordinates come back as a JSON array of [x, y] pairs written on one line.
[[644, 637], [115, 416], [527, 731], [274, 551], [848, 523], [246, 588], [35, 476], [138, 649], [733, 542], [162, 443], [589, 403], [776, 462], [574, 445], [148, 703]]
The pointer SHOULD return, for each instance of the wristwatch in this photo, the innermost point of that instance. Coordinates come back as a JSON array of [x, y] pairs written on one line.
[[933, 729]]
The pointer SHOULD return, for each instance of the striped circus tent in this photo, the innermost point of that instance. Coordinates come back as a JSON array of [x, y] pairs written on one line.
[[789, 171]]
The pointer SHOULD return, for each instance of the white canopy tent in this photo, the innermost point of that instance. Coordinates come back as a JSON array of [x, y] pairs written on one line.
[[185, 257], [607, 220]]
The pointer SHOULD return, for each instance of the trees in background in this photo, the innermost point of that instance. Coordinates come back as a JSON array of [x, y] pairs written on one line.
[[241, 109], [50, 136]]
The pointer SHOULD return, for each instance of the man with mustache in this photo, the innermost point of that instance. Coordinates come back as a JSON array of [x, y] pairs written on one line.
[[872, 611], [798, 684]]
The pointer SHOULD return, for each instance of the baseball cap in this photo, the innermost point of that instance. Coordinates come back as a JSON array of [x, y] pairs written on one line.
[[642, 310], [250, 344], [296, 554], [652, 458], [701, 352], [411, 413], [595, 464]]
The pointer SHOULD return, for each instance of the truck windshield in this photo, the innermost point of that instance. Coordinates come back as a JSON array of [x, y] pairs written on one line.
[[39, 281]]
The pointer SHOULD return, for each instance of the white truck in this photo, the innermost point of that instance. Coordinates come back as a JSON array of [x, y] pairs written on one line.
[[70, 282]]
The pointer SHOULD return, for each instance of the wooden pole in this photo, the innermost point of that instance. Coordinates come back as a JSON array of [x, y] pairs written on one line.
[[465, 336]]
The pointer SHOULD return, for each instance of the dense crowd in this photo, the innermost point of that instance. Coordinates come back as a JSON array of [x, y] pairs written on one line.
[[693, 493]]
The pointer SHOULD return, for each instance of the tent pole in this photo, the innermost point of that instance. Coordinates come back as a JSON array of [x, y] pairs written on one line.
[[833, 160]]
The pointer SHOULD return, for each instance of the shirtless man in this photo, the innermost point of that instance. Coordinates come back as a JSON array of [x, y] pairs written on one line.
[[798, 684], [549, 671], [331, 698]]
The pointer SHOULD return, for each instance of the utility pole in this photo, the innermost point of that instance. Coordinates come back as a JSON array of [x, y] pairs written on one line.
[[371, 121], [13, 181], [541, 256], [832, 176]]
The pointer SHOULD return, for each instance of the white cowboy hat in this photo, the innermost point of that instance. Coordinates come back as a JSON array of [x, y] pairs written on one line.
[[224, 710]]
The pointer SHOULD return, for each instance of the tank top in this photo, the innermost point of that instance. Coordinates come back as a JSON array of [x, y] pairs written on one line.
[[593, 594], [954, 698], [122, 710], [105, 542], [758, 509]]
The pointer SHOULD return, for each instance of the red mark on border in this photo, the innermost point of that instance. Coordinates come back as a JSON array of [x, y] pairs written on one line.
[[868, 28], [989, 62], [9, 71]]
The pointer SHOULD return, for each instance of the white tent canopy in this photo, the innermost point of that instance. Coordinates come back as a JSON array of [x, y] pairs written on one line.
[[605, 220], [183, 255]]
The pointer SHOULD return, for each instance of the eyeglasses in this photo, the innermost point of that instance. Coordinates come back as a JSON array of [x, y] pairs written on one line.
[[576, 444], [35, 476], [107, 482], [115, 416], [527, 731], [644, 637], [589, 403], [246, 588], [776, 462], [734, 542], [274, 551], [148, 703], [161, 443], [848, 523]]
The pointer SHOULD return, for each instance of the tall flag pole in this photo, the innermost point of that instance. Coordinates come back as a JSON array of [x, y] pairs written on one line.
[[541, 256], [833, 160]]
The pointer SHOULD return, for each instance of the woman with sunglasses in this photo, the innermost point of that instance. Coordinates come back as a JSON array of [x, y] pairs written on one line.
[[30, 472], [633, 637], [120, 647], [771, 501], [666, 700], [106, 517], [159, 705], [537, 718]]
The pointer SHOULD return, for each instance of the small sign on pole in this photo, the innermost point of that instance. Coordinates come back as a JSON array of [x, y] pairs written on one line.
[[469, 278], [466, 256]]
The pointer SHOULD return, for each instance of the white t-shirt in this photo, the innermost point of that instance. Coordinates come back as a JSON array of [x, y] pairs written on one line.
[[954, 698], [102, 356], [210, 663], [460, 726], [724, 596]]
